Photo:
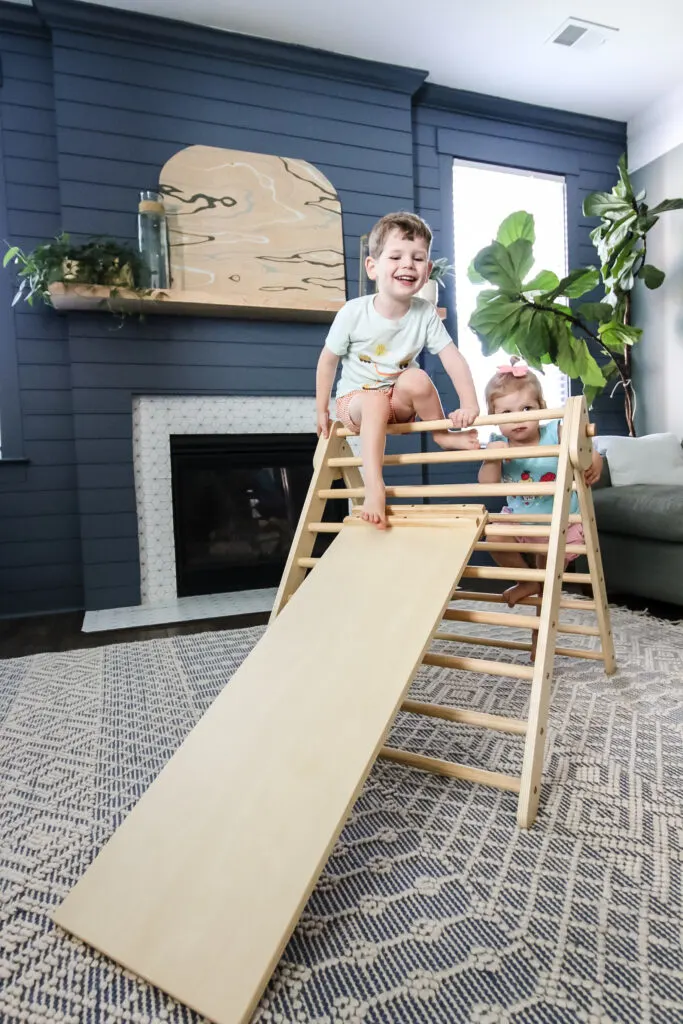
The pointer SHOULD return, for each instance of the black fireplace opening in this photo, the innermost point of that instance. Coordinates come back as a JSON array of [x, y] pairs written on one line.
[[237, 499]]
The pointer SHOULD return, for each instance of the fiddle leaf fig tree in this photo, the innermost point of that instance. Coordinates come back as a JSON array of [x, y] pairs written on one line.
[[621, 242], [530, 316]]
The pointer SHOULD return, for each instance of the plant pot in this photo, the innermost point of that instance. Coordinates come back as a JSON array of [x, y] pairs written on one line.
[[430, 292]]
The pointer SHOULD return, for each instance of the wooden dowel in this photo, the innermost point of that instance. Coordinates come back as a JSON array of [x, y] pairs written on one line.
[[529, 549], [529, 415], [515, 645], [491, 618], [489, 668], [515, 531], [528, 517], [466, 717], [465, 455], [447, 491], [485, 572], [451, 769], [325, 527], [478, 595], [307, 563]]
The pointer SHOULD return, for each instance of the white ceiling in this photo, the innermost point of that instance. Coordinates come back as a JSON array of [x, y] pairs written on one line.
[[491, 46]]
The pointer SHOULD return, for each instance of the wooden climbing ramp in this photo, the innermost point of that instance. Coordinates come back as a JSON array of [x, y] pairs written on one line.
[[200, 888]]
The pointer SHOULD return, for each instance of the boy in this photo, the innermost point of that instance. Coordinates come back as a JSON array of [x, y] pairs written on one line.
[[378, 339]]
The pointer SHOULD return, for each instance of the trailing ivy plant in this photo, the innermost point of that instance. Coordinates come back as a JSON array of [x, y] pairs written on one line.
[[99, 261], [530, 316], [621, 242]]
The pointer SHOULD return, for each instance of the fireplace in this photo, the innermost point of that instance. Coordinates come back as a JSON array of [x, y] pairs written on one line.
[[236, 504]]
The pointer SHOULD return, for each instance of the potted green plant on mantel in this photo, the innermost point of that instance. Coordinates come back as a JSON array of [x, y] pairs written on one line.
[[99, 261], [532, 317], [441, 269]]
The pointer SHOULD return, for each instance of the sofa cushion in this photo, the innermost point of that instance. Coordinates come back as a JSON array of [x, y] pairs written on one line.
[[641, 510], [651, 459]]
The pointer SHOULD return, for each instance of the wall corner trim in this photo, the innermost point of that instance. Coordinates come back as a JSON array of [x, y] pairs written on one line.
[[460, 101], [21, 19]]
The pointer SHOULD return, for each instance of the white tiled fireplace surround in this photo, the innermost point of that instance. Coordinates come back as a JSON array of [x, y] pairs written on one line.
[[155, 418]]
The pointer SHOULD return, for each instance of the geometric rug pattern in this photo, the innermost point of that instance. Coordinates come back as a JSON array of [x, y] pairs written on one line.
[[434, 906]]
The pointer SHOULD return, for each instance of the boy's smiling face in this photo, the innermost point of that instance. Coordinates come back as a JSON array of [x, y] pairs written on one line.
[[402, 268]]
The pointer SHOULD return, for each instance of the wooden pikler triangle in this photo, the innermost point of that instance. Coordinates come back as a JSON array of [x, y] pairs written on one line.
[[200, 888]]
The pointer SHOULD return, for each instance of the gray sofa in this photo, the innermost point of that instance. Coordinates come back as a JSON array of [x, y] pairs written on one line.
[[640, 527]]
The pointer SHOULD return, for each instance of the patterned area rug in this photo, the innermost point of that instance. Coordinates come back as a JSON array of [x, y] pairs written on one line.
[[433, 907]]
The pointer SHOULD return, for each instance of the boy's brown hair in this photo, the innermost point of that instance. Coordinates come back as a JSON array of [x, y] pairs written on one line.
[[410, 225], [504, 382]]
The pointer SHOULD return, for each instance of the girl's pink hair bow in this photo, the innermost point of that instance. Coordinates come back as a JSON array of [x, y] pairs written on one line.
[[518, 369]]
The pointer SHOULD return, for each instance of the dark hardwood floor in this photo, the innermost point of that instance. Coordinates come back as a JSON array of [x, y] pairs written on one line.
[[40, 634], [44, 633]]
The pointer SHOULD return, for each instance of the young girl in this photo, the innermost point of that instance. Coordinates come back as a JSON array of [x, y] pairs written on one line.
[[515, 388]]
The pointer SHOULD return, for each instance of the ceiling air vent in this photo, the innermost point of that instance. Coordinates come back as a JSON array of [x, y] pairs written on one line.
[[577, 34]]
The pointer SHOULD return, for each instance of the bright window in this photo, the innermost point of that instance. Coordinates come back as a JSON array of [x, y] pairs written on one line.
[[483, 195]]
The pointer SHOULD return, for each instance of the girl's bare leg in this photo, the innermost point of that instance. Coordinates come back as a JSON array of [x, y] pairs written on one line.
[[372, 411], [513, 560]]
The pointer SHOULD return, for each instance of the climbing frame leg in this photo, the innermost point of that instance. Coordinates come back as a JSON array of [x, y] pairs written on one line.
[[532, 765], [580, 458], [313, 509]]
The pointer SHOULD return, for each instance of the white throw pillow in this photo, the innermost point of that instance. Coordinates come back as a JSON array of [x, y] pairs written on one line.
[[652, 459]]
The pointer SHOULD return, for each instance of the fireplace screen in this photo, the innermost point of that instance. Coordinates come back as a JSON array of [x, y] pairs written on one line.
[[236, 503]]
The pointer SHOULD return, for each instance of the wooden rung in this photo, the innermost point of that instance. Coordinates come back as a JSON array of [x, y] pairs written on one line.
[[325, 527], [307, 563], [466, 717], [489, 668], [530, 549], [492, 618], [481, 421], [462, 455], [529, 517], [515, 531], [516, 645], [485, 572], [515, 621], [566, 602], [445, 491], [450, 768]]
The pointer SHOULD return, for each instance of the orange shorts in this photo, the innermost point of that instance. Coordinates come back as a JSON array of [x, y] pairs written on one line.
[[574, 536], [343, 408]]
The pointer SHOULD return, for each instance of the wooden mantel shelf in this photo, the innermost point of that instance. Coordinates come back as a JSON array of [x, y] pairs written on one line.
[[173, 302]]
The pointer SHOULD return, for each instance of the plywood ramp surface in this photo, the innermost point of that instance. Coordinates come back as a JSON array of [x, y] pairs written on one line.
[[200, 888]]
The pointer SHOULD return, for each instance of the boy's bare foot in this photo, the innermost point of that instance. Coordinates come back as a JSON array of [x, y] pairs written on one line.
[[513, 595], [374, 507], [466, 439]]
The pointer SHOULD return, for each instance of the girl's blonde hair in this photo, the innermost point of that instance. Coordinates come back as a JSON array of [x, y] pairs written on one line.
[[506, 381]]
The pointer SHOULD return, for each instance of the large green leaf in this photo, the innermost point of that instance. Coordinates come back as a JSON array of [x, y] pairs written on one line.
[[544, 281], [600, 311], [652, 276], [591, 393], [624, 178], [667, 204], [501, 265], [494, 321], [605, 204], [474, 275], [615, 335], [517, 225], [575, 284], [574, 359]]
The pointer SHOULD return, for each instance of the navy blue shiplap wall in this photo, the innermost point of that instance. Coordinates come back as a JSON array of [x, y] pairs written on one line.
[[40, 552], [101, 101]]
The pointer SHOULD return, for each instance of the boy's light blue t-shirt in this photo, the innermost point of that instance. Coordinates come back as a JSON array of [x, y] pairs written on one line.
[[534, 471]]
